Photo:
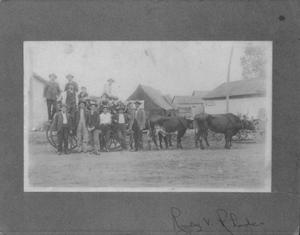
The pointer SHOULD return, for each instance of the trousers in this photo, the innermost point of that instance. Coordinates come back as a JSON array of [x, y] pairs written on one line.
[[62, 138], [51, 107], [96, 142], [122, 135], [137, 136], [105, 135], [82, 136]]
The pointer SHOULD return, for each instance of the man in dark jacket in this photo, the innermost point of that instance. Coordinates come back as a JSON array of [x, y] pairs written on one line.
[[70, 82], [132, 124], [81, 124], [94, 127], [62, 123], [51, 93], [140, 117], [120, 121], [70, 98]]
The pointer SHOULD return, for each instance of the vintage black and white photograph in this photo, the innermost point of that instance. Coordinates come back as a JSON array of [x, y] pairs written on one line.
[[147, 116]]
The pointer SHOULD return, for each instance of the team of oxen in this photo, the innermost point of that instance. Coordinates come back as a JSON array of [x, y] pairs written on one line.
[[227, 124]]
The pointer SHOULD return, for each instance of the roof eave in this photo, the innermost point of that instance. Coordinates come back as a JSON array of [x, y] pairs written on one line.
[[235, 96]]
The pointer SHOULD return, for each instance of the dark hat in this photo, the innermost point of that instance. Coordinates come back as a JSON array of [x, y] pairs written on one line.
[[52, 75], [93, 103], [64, 105], [69, 76], [81, 101], [120, 107], [137, 102], [110, 80]]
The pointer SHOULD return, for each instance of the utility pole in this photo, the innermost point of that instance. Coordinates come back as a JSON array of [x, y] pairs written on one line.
[[228, 80]]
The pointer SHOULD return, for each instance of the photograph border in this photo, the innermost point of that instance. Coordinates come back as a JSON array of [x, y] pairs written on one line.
[[268, 141]]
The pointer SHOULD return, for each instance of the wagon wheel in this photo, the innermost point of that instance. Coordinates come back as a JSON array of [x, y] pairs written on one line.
[[215, 136], [52, 139], [242, 135]]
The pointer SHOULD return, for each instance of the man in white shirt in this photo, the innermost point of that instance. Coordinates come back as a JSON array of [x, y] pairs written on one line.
[[105, 127], [81, 120]]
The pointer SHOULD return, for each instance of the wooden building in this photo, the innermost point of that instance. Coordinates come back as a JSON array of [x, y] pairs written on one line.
[[246, 97], [153, 100]]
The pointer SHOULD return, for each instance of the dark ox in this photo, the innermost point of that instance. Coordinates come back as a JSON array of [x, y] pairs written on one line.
[[228, 124], [168, 125]]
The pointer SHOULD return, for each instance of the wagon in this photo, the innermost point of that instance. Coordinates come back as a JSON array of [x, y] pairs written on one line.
[[72, 141], [52, 138]]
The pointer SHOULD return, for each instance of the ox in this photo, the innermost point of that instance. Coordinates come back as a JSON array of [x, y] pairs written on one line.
[[164, 126], [228, 124]]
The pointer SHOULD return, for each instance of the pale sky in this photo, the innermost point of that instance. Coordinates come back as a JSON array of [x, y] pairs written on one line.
[[173, 67]]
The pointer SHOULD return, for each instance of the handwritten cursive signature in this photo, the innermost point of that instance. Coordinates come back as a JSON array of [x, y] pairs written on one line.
[[226, 219], [186, 228]]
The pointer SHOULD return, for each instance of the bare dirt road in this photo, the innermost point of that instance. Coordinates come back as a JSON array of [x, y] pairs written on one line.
[[241, 168]]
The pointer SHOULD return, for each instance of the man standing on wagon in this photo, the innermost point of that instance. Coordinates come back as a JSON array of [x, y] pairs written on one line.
[[70, 82], [70, 98], [83, 93], [51, 93]]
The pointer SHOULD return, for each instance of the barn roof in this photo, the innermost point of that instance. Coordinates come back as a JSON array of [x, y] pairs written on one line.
[[155, 95], [199, 93], [168, 98], [187, 100], [240, 88]]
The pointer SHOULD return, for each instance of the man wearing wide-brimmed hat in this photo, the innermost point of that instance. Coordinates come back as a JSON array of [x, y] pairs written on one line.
[[121, 120], [70, 82], [62, 124], [94, 126], [81, 123], [108, 87], [130, 111], [83, 95], [140, 118], [51, 93], [69, 97]]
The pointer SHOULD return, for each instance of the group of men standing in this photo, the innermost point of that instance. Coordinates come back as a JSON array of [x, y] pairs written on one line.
[[70, 114]]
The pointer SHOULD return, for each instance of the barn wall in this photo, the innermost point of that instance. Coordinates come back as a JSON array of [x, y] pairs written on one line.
[[249, 106], [38, 113], [188, 110]]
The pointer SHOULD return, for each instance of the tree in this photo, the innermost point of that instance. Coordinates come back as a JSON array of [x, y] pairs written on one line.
[[253, 62]]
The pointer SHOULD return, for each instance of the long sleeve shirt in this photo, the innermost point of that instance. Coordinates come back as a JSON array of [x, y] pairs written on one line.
[[73, 84], [64, 97], [105, 118], [52, 91], [141, 118]]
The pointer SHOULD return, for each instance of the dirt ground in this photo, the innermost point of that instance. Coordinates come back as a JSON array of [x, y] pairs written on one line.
[[240, 168]]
